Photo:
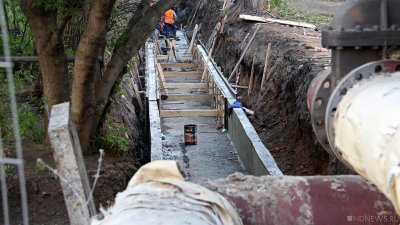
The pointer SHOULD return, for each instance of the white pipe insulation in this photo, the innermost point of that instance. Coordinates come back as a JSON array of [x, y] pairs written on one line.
[[367, 132]]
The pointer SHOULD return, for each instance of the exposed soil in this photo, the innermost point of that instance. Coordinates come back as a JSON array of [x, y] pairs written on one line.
[[45, 197], [281, 117]]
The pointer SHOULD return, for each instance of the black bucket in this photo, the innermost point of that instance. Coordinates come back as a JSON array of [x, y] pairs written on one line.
[[190, 134]]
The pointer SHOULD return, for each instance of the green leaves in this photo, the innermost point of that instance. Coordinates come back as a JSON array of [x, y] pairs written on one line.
[[113, 137], [20, 35], [71, 7]]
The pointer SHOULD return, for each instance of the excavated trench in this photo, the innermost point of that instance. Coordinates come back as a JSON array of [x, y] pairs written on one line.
[[281, 117]]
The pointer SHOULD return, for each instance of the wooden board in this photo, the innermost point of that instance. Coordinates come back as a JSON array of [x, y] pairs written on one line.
[[161, 74], [189, 113], [186, 85], [271, 20], [182, 58], [238, 86], [191, 73], [187, 97], [248, 111], [179, 65]]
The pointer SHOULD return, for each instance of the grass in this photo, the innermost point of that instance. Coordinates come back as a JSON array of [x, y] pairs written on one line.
[[40, 167], [113, 137], [281, 8], [9, 170], [31, 122]]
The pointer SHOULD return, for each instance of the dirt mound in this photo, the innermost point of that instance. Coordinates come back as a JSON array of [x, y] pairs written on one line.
[[281, 117]]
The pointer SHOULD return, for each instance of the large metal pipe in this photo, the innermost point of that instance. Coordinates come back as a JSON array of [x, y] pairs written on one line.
[[367, 132], [312, 200]]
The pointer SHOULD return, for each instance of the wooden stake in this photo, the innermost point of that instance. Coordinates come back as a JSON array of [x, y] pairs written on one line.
[[194, 14], [196, 29], [162, 78], [265, 73], [244, 52], [251, 77], [136, 89], [210, 51], [213, 37]]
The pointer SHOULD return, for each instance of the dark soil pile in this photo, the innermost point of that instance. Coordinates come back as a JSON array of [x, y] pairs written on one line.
[[281, 117]]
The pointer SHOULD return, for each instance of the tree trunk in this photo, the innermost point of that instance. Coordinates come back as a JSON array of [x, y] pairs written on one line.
[[48, 38], [86, 58], [128, 44]]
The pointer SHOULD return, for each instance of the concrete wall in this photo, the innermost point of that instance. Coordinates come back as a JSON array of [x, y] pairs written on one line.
[[255, 156], [253, 153], [152, 101]]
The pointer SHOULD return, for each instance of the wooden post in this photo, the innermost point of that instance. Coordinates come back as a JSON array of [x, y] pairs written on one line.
[[70, 165], [213, 37], [162, 77], [136, 89], [265, 73], [196, 29], [244, 52], [251, 77], [195, 12]]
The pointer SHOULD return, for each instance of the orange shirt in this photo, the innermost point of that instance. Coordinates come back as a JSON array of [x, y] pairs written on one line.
[[169, 17]]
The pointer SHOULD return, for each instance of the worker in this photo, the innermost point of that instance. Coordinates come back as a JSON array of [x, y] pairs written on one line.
[[170, 18], [160, 26]]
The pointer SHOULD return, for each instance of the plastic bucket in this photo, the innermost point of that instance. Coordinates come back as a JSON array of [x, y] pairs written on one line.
[[190, 131]]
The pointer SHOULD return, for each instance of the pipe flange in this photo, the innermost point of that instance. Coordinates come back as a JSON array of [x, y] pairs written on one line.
[[317, 99], [361, 73]]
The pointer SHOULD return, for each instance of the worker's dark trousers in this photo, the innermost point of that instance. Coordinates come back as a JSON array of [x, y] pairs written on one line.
[[170, 29]]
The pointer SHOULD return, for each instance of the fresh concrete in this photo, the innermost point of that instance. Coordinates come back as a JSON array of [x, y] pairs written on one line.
[[214, 156]]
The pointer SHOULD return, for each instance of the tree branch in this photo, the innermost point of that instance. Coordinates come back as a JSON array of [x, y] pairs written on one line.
[[132, 39], [56, 36]]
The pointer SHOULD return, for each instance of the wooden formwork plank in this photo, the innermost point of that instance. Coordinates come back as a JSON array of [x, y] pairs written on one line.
[[161, 74], [181, 97], [189, 113], [182, 58], [186, 85], [179, 65], [139, 99], [191, 73]]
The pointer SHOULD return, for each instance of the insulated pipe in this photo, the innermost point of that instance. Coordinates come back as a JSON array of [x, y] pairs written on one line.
[[315, 200], [367, 132]]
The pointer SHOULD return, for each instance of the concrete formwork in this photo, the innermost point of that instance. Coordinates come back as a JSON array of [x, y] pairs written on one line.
[[255, 156]]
